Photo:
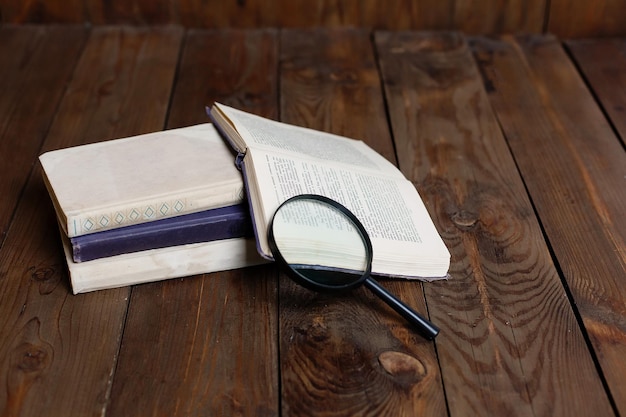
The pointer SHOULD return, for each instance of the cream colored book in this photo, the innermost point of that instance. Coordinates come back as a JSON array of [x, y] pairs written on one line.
[[139, 179], [280, 160], [159, 264]]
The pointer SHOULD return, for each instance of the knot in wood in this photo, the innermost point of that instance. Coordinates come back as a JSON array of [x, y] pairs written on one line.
[[405, 369], [31, 358], [43, 274], [464, 219], [316, 331], [344, 76], [47, 278]]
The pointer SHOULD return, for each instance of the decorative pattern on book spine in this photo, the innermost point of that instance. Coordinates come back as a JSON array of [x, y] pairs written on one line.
[[129, 215]]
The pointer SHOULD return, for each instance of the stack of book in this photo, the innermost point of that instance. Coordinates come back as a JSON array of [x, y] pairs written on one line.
[[149, 207], [174, 203]]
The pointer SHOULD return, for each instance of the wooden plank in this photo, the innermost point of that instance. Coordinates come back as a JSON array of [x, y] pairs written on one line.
[[573, 167], [221, 14], [240, 71], [603, 63], [97, 12], [307, 14], [580, 18], [59, 351], [350, 354], [403, 14], [211, 344], [29, 99], [365, 14], [510, 343], [495, 16], [49, 11], [130, 74], [131, 12]]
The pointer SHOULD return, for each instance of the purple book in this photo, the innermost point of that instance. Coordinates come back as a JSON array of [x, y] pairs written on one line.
[[205, 226]]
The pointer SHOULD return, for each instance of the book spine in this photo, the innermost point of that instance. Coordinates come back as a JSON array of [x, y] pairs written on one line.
[[220, 129], [114, 217], [206, 226]]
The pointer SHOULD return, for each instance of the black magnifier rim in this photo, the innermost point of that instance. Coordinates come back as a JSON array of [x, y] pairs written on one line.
[[303, 279]]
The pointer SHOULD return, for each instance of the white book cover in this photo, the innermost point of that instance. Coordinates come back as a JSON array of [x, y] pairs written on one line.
[[138, 179], [160, 264]]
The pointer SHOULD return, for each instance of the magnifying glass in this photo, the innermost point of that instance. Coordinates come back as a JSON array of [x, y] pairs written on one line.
[[324, 247]]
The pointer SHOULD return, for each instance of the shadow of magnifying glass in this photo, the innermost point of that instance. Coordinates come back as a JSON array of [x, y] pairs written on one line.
[[324, 247]]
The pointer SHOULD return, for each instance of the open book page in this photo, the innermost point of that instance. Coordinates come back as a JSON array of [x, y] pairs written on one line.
[[405, 241], [313, 235], [260, 133]]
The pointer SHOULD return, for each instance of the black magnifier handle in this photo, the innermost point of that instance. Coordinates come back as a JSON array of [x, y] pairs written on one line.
[[425, 327]]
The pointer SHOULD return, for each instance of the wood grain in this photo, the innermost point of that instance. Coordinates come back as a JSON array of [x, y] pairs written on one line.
[[206, 345], [545, 109], [405, 14], [365, 14], [59, 351], [603, 64], [351, 354], [131, 12], [485, 17], [234, 14], [29, 99], [234, 67], [43, 11], [580, 18], [123, 66], [505, 316], [495, 16], [203, 345]]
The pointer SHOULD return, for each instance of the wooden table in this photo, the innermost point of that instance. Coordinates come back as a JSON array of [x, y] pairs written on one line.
[[516, 145]]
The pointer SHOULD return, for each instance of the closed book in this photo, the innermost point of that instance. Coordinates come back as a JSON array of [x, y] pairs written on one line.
[[159, 264], [205, 226], [117, 183]]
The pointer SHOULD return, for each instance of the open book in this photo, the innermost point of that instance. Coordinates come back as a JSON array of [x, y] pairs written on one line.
[[280, 160]]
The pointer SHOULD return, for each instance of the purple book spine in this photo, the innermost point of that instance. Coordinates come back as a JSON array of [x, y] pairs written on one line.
[[205, 226]]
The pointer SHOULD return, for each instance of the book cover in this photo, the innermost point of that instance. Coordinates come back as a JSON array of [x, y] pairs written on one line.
[[205, 226], [159, 264], [117, 183]]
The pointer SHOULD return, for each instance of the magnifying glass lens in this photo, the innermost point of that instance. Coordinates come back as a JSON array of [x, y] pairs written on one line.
[[320, 243]]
